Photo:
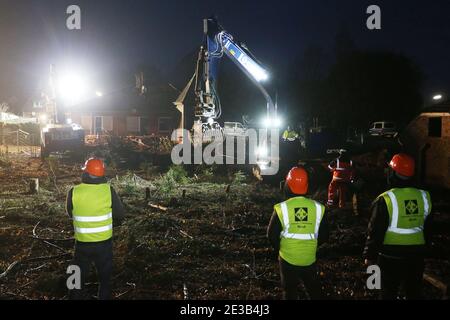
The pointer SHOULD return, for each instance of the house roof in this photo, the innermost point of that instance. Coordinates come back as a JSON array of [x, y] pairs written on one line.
[[443, 106], [128, 101], [121, 100]]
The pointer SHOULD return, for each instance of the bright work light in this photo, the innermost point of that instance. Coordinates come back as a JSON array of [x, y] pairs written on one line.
[[272, 122], [72, 88]]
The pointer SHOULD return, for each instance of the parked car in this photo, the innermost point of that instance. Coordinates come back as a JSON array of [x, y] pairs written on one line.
[[383, 129], [234, 129]]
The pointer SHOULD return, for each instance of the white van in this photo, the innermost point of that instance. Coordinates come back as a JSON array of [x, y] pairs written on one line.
[[234, 129], [383, 129]]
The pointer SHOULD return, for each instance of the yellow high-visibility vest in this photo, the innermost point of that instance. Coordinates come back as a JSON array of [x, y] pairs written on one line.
[[300, 218], [92, 212]]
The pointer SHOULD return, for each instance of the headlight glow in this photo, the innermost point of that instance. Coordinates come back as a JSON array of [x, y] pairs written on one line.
[[275, 122]]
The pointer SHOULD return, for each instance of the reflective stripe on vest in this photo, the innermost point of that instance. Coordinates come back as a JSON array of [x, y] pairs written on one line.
[[394, 221], [93, 230], [425, 203], [299, 236], [93, 218], [408, 208], [300, 220], [92, 212]]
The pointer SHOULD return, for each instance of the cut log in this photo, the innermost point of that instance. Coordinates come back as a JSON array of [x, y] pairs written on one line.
[[156, 206], [436, 283], [355, 204]]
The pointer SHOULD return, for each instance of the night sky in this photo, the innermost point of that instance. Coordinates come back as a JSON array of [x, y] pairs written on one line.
[[119, 34]]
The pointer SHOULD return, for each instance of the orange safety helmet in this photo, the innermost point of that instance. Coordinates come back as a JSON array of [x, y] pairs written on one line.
[[297, 180], [403, 164], [95, 167]]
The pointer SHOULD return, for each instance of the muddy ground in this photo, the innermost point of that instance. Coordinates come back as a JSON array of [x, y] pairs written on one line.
[[209, 244]]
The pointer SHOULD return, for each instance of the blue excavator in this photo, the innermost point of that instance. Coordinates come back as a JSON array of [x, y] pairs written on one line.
[[207, 109], [217, 43]]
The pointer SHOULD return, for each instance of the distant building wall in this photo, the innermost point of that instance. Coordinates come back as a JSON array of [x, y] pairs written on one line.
[[122, 124], [119, 126], [432, 152]]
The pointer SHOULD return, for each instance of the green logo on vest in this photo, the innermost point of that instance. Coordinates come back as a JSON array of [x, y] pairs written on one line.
[[411, 207], [301, 214]]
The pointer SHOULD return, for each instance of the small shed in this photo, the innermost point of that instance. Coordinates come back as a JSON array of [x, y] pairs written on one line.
[[427, 138]]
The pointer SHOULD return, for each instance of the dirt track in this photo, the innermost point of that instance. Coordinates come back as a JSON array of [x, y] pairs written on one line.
[[212, 242]]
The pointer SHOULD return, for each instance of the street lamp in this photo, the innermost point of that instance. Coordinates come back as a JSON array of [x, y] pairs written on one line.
[[437, 97]]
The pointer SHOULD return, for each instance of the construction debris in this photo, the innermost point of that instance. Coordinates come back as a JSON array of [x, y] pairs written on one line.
[[148, 144]]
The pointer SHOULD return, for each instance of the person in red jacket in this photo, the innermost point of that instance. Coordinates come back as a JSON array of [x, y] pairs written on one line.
[[343, 174]]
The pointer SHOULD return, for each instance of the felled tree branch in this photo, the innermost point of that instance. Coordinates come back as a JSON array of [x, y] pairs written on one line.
[[18, 262], [47, 240]]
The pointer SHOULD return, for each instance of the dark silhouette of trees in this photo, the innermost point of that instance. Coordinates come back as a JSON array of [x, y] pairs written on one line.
[[305, 82], [365, 86], [359, 87]]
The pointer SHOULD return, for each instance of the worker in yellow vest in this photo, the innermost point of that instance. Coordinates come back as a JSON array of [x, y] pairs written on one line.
[[289, 134], [399, 230], [298, 225], [93, 205]]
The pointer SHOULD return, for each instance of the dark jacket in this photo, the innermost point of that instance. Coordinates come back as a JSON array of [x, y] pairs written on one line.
[[275, 228], [118, 212], [378, 225]]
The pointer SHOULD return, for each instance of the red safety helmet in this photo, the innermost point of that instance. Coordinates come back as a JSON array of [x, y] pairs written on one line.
[[297, 180], [403, 164], [95, 167]]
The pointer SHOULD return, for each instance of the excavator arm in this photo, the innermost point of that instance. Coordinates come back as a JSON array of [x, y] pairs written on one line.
[[218, 42]]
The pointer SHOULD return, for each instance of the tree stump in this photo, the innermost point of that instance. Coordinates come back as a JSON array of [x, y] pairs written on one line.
[[34, 186], [355, 204]]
